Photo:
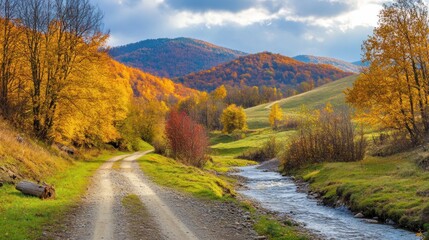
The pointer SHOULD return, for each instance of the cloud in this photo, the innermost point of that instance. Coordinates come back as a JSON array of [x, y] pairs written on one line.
[[289, 27], [205, 5]]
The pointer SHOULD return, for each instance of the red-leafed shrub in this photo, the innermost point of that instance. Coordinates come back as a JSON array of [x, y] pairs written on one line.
[[187, 139]]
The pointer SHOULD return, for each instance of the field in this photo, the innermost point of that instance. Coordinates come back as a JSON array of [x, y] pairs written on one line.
[[257, 117]]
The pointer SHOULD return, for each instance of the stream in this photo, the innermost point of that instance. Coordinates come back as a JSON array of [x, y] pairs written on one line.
[[278, 193]]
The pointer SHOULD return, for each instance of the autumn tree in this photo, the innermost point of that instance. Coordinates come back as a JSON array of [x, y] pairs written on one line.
[[393, 91], [187, 139], [11, 86], [276, 116], [61, 37], [233, 118], [91, 108]]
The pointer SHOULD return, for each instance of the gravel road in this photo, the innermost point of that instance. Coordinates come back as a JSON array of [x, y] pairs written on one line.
[[161, 213]]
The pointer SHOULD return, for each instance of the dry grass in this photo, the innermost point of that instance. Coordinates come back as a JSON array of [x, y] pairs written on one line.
[[24, 158]]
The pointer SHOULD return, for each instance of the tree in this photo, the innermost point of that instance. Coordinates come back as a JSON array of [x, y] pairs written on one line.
[[393, 91], [233, 118], [187, 139], [61, 37], [9, 57], [276, 116]]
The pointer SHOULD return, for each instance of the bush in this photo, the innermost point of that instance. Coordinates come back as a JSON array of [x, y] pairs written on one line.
[[332, 137], [268, 151], [187, 139]]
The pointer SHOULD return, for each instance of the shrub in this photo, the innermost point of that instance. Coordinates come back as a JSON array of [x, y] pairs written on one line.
[[333, 137], [268, 151], [387, 144], [187, 139]]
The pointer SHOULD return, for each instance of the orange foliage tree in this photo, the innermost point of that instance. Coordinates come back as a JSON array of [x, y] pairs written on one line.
[[187, 139]]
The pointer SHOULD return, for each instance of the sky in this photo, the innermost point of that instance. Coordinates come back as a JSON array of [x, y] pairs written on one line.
[[330, 28]]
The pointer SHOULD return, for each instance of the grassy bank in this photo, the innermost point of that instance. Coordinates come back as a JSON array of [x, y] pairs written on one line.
[[24, 217], [387, 187], [168, 172]]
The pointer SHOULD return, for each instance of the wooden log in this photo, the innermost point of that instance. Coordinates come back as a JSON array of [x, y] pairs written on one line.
[[41, 191]]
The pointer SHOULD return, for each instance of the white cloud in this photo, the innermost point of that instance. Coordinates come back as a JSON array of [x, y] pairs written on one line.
[[209, 19], [282, 26]]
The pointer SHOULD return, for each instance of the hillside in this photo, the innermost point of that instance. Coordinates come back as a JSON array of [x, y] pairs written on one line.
[[173, 57], [360, 63], [22, 157], [148, 86], [333, 93], [340, 64], [268, 69]]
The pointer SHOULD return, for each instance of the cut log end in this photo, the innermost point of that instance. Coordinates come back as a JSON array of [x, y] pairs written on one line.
[[44, 191]]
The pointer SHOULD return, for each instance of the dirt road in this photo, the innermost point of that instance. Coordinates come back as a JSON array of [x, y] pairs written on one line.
[[123, 203]]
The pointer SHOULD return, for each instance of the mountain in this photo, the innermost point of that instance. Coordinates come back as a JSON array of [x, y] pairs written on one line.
[[361, 64], [173, 57], [343, 65], [148, 86], [262, 69]]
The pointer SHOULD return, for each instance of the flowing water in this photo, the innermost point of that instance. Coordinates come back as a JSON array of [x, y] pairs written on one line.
[[278, 193]]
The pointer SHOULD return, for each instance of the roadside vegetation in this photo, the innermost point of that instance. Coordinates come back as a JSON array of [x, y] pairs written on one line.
[[25, 217]]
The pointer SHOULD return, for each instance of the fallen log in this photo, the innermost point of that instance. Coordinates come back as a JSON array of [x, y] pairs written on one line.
[[33, 189]]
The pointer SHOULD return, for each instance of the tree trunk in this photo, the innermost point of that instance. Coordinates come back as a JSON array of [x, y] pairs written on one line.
[[41, 191]]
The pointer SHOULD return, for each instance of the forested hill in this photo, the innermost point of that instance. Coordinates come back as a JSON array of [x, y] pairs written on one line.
[[173, 57], [150, 87], [343, 65], [264, 69]]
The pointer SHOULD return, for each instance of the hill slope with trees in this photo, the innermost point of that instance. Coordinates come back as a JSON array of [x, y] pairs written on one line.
[[264, 69], [173, 57], [148, 86]]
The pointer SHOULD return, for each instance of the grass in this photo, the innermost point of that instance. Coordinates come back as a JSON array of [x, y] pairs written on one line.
[[144, 146], [257, 117], [199, 183], [389, 187], [277, 230], [24, 217], [27, 158]]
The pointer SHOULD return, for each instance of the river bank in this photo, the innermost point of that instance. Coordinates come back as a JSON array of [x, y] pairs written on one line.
[[391, 189], [280, 194]]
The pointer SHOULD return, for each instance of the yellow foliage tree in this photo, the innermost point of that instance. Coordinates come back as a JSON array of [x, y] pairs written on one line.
[[394, 90], [233, 118], [276, 116]]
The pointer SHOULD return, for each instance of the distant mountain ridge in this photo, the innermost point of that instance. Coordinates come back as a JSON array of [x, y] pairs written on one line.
[[343, 65], [173, 57], [263, 69]]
